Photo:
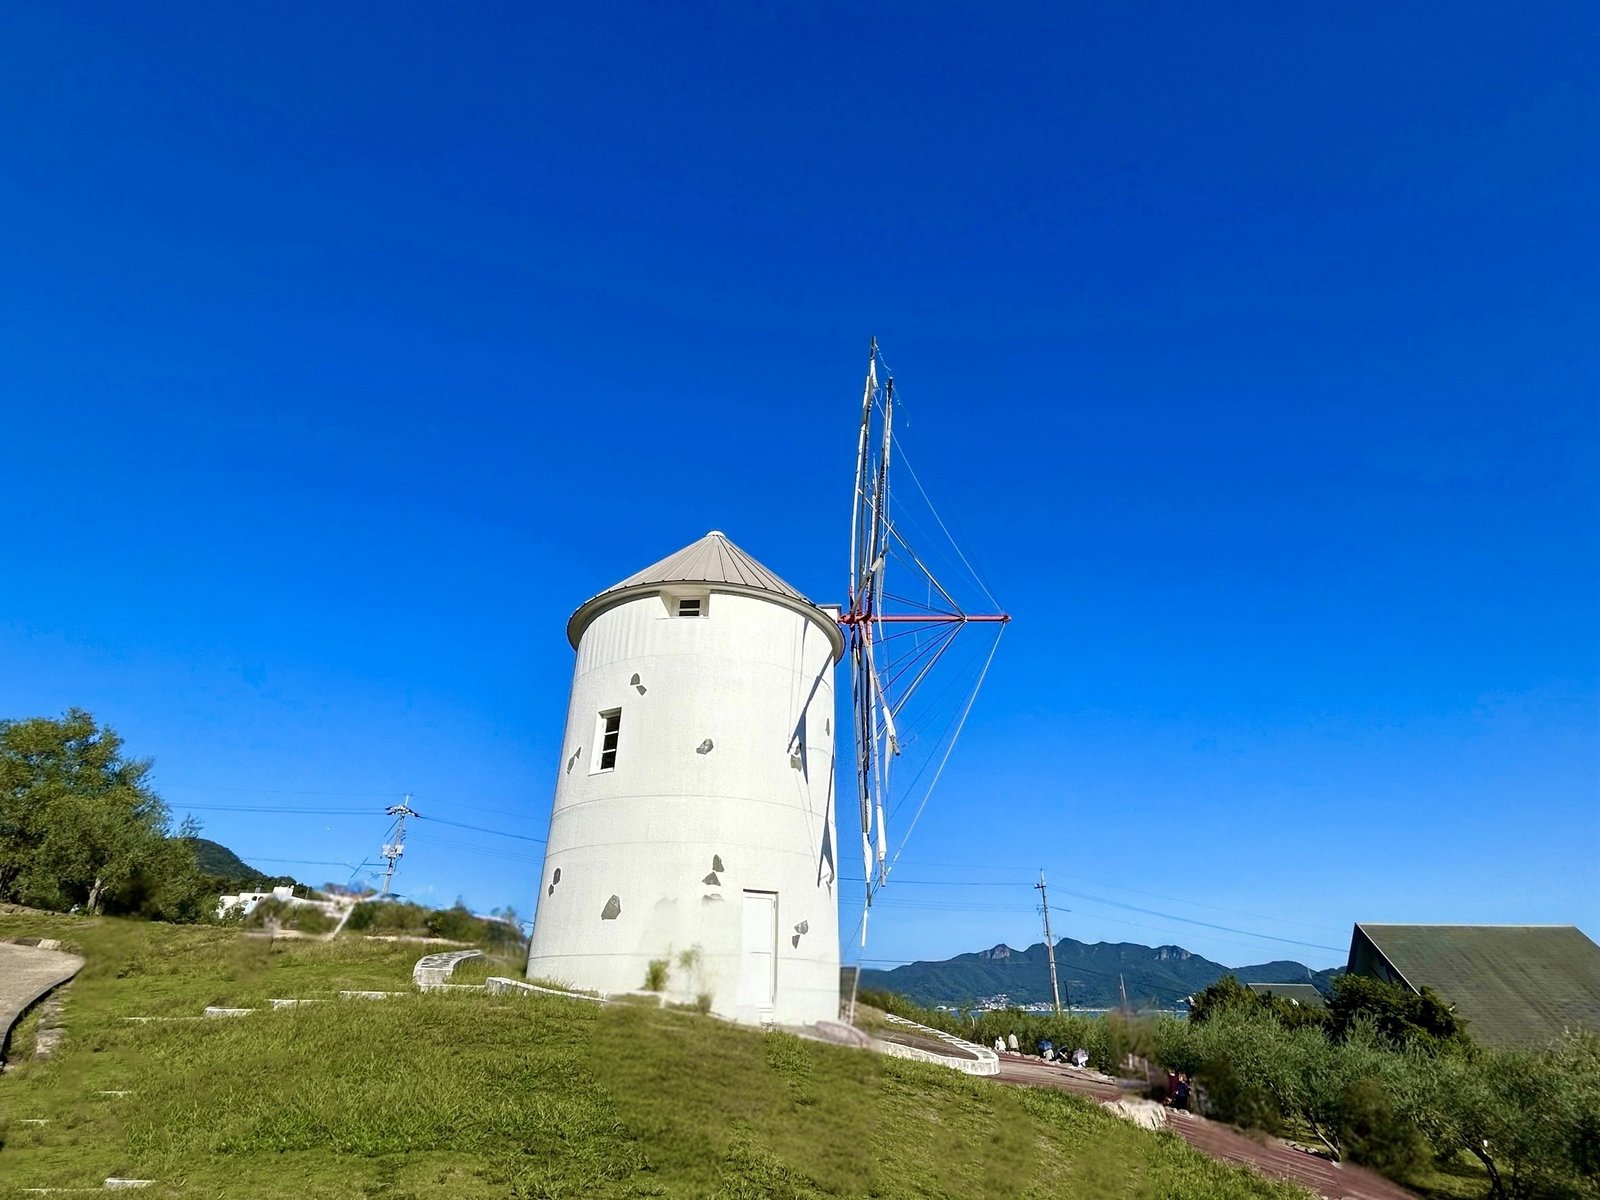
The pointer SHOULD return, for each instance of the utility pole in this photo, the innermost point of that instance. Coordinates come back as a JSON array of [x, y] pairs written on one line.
[[393, 850], [1049, 943]]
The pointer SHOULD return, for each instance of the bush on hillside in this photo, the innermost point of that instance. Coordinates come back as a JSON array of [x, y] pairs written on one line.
[[1376, 1135], [1229, 995], [1401, 1017], [1386, 1082], [1530, 1117], [456, 923], [280, 914], [1225, 995]]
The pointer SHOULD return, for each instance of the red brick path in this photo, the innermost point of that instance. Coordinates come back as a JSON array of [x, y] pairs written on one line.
[[1269, 1156]]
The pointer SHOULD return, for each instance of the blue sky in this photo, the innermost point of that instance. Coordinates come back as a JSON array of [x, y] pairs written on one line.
[[345, 349]]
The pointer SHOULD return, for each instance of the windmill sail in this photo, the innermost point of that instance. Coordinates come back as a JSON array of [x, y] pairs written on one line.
[[896, 641]]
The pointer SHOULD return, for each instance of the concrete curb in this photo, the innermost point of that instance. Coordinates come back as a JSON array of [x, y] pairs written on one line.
[[434, 970], [499, 985], [983, 1061], [27, 975]]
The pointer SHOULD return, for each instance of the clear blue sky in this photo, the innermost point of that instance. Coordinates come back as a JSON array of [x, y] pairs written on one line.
[[345, 349]]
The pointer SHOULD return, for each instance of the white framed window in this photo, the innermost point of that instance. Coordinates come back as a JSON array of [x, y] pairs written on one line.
[[686, 601], [607, 733]]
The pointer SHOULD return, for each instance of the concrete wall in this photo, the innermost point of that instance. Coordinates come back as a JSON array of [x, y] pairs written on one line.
[[723, 784]]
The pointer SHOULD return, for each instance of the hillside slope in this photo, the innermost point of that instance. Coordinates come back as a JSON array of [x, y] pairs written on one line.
[[465, 1095], [1092, 975], [229, 869]]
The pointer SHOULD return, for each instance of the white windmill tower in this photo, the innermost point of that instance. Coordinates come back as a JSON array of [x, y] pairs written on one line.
[[693, 815]]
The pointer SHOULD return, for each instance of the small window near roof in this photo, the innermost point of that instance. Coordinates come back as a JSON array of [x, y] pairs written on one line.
[[608, 730], [690, 606]]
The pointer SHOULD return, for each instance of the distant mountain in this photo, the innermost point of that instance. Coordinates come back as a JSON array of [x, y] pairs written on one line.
[[232, 871], [1089, 974]]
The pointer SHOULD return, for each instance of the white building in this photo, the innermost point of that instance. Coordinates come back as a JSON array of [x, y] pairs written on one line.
[[693, 820], [246, 902]]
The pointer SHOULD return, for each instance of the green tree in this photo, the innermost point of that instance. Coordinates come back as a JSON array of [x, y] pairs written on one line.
[[79, 822], [1400, 1016], [1225, 995], [1530, 1117]]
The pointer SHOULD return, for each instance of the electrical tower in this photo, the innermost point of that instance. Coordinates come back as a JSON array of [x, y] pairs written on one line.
[[393, 850], [1049, 943]]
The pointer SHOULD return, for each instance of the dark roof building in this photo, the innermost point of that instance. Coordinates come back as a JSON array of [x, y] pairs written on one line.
[[1303, 994], [1516, 985]]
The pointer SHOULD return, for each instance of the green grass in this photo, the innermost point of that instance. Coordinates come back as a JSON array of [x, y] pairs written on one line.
[[1462, 1178], [476, 970], [464, 1095]]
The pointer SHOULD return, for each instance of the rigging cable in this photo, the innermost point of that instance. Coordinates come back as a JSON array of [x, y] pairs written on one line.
[[949, 749], [964, 562]]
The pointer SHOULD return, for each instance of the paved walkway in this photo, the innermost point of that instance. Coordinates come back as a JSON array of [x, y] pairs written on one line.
[[26, 973], [1267, 1155]]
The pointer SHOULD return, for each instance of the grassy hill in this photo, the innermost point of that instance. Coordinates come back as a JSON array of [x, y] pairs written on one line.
[[1091, 974], [466, 1095]]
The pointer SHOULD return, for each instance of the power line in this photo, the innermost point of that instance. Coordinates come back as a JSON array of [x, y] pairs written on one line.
[[521, 837], [279, 810], [275, 809], [1238, 912], [430, 841], [301, 862], [255, 791], [1090, 896], [956, 906], [1271, 937], [476, 805], [892, 902]]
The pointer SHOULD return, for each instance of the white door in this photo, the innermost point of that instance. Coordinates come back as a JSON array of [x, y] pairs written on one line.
[[758, 964]]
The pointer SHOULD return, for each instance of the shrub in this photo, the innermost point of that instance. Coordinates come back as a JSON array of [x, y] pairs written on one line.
[[1373, 1132], [456, 923], [1528, 1116], [298, 917], [1229, 995], [1401, 1017], [1398, 1078], [1225, 995]]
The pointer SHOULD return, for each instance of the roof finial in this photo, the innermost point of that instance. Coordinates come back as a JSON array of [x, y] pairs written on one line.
[[716, 533]]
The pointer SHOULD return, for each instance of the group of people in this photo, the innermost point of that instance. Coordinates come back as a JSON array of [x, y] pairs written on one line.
[[1047, 1051]]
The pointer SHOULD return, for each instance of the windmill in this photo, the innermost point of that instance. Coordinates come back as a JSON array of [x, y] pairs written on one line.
[[692, 840]]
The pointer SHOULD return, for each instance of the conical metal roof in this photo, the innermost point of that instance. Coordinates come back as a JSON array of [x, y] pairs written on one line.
[[712, 560]]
